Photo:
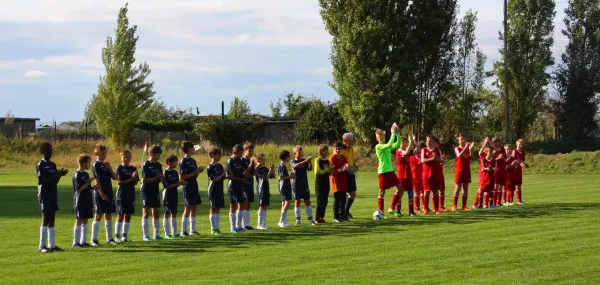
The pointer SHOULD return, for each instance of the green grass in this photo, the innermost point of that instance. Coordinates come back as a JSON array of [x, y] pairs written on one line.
[[555, 239]]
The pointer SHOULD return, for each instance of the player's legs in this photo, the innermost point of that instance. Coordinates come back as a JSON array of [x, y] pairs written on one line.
[[425, 197], [77, 233], [192, 217], [465, 196], [436, 201], [84, 232], [380, 199], [442, 197], [395, 206], [457, 188], [519, 194], [284, 208], [308, 209], [145, 225]]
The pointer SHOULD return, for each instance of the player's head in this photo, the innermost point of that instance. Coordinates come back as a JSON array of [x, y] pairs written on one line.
[[260, 158], [403, 143], [84, 161], [187, 147], [125, 157], [487, 150], [323, 151], [497, 142], [298, 152], [237, 151], [100, 151], [380, 135], [338, 147], [248, 149], [348, 139], [171, 160], [284, 155], [154, 152], [508, 148], [429, 141], [462, 140], [215, 153], [520, 144], [46, 150]]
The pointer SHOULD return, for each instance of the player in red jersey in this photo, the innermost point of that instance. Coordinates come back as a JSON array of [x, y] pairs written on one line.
[[462, 172], [500, 173], [431, 159], [441, 178], [509, 188], [487, 168], [403, 155], [416, 169], [518, 155], [478, 204]]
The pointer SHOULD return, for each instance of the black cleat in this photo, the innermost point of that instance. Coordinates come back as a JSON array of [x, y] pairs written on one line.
[[44, 250], [349, 215], [185, 234], [85, 244], [249, 228], [95, 243], [111, 241], [195, 233], [56, 248]]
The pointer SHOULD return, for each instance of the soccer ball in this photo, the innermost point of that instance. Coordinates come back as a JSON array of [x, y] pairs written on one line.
[[378, 215]]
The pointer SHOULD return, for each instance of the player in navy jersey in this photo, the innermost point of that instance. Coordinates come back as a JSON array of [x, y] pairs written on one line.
[[235, 173], [216, 176], [301, 166], [83, 201], [171, 182], [127, 178], [103, 198], [285, 187], [248, 187], [152, 176], [47, 179], [188, 172], [263, 174]]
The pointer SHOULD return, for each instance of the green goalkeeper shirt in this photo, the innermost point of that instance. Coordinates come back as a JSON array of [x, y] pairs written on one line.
[[384, 154]]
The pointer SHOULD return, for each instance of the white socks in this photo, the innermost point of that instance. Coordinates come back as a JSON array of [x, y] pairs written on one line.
[[95, 230], [262, 218], [126, 229], [43, 236], [232, 221], [297, 212], [246, 219], [109, 229], [145, 227], [283, 216], [84, 232], [76, 234], [240, 216], [166, 226], [174, 226], [184, 225], [51, 237], [309, 213], [156, 228], [193, 224], [212, 221], [118, 229]]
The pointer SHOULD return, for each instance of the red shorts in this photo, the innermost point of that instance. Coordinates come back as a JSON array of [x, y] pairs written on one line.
[[406, 183], [442, 181], [486, 188], [417, 185], [462, 176], [431, 183], [387, 180], [517, 177], [500, 176]]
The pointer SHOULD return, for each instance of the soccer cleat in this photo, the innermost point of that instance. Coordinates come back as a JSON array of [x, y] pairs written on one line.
[[56, 248], [262, 227], [281, 224], [425, 212], [297, 222], [111, 241], [454, 208], [391, 211], [336, 221], [213, 233], [412, 214], [218, 232], [444, 209], [185, 234], [312, 223], [195, 233], [322, 221], [95, 243], [169, 237], [76, 245], [465, 208], [158, 238], [233, 231], [398, 214], [349, 215], [177, 236], [239, 230], [520, 204], [147, 238], [249, 228], [118, 240], [85, 244], [44, 250], [438, 212], [124, 239]]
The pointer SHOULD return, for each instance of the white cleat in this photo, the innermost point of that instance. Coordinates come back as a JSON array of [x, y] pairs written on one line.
[[281, 224], [262, 227], [297, 222]]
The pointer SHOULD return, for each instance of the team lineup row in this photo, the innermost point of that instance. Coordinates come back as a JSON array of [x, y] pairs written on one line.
[[419, 173]]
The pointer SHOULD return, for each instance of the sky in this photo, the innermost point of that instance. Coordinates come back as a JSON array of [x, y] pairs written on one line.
[[201, 52]]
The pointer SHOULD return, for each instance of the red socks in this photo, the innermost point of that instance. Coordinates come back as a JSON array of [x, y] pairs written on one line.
[[395, 200], [486, 199], [455, 201], [464, 200], [509, 196], [380, 203], [477, 203], [418, 201], [426, 200], [436, 202], [504, 194], [442, 197], [411, 206], [519, 196]]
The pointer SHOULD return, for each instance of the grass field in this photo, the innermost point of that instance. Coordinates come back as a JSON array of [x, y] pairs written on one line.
[[554, 239]]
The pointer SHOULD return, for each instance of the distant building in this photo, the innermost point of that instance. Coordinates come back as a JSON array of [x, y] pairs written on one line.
[[20, 127]]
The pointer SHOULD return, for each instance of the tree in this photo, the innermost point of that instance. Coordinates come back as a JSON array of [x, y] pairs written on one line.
[[276, 108], [321, 123], [530, 28], [296, 105], [9, 119], [391, 60], [578, 76], [159, 111], [123, 92], [239, 109]]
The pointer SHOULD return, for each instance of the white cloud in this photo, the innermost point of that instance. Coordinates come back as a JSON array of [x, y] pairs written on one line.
[[35, 73]]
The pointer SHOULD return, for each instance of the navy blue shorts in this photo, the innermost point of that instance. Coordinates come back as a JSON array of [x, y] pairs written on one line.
[[286, 193], [264, 197], [236, 196], [351, 182], [191, 197], [104, 207], [170, 201], [150, 200], [249, 192], [301, 194], [48, 205], [216, 199], [84, 212], [126, 206]]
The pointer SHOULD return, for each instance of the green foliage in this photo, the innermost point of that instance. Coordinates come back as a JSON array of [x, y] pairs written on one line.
[[239, 109], [321, 123], [123, 92], [296, 105], [165, 126], [578, 76], [9, 119], [276, 108], [530, 42], [226, 132]]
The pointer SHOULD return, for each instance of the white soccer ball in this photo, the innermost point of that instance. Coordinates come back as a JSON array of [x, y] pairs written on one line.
[[378, 215]]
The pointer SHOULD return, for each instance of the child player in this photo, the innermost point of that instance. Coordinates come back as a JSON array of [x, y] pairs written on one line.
[[83, 201], [171, 182], [188, 172], [416, 169], [47, 180], [216, 175], [509, 189], [152, 176], [285, 187], [403, 155], [300, 167], [478, 204], [348, 153], [248, 186], [263, 193], [236, 174], [500, 172], [442, 195], [339, 167], [462, 171], [385, 171], [104, 198], [127, 178], [518, 156], [487, 169], [432, 168], [322, 185]]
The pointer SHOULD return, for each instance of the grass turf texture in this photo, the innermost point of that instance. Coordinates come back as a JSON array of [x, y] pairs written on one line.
[[554, 238]]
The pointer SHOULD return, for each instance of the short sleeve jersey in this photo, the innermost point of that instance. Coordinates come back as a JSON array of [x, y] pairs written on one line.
[[213, 171], [518, 156], [486, 177], [404, 171], [236, 167], [384, 154], [150, 170], [283, 172], [102, 173], [416, 167], [125, 173], [301, 181], [249, 165], [262, 178], [431, 167], [170, 177], [46, 169], [84, 197], [463, 162], [188, 165], [501, 162]]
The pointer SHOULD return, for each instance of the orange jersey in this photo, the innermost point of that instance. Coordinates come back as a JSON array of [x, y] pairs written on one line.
[[338, 177]]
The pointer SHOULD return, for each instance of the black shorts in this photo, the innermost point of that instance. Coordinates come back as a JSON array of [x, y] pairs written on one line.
[[264, 197], [150, 199], [102, 206], [48, 205], [216, 199], [285, 192], [191, 197], [351, 182], [170, 201], [84, 211], [249, 192], [236, 196], [301, 194], [126, 206]]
